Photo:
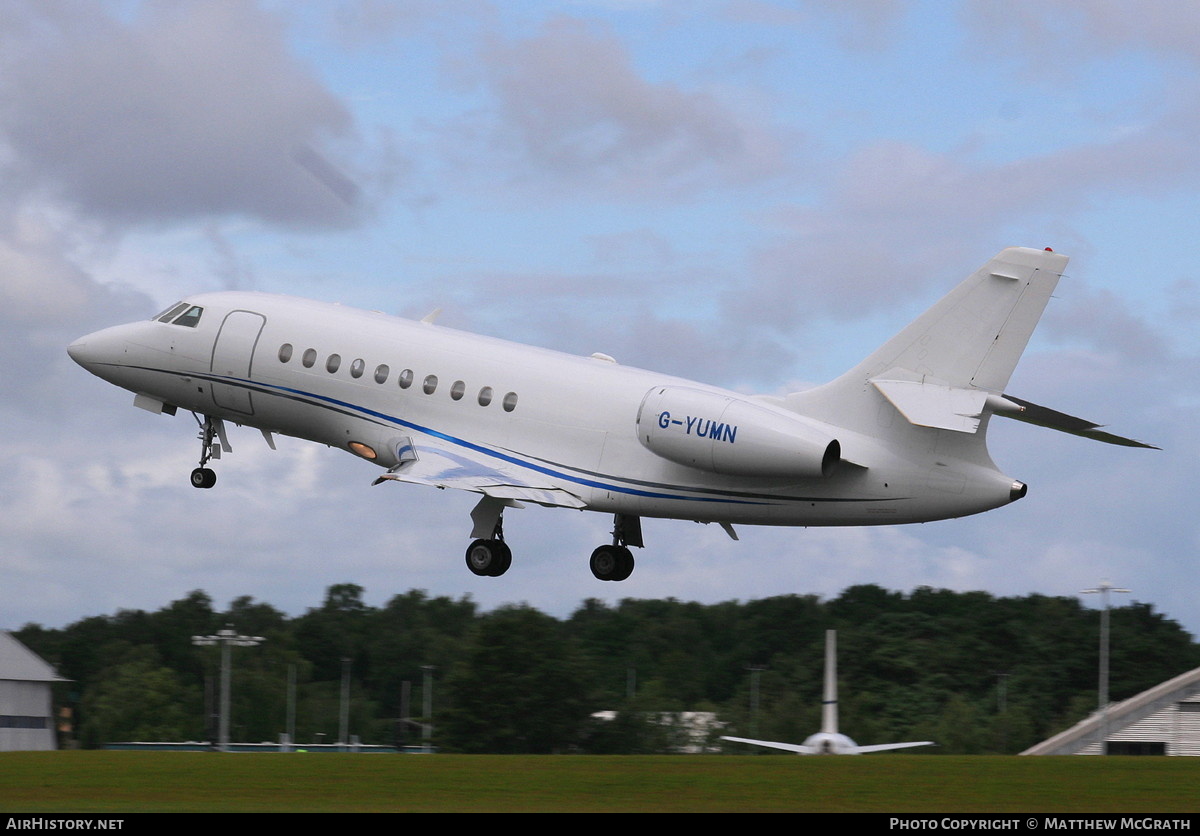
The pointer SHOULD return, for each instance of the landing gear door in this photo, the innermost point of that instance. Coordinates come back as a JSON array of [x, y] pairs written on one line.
[[232, 359]]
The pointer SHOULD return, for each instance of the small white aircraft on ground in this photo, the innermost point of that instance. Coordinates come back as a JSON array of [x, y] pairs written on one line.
[[897, 439], [828, 741]]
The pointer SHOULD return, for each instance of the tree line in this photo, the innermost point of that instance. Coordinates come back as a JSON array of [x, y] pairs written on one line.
[[974, 672]]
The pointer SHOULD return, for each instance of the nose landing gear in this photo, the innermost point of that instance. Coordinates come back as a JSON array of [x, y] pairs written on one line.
[[212, 442]]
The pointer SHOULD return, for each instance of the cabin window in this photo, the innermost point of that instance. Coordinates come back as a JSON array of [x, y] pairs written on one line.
[[172, 312], [457, 390], [190, 317], [285, 352], [381, 373], [333, 363], [510, 402], [406, 378], [310, 358], [430, 384], [485, 396], [357, 367]]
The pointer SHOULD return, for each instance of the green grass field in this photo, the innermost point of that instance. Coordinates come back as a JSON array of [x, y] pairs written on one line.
[[116, 782]]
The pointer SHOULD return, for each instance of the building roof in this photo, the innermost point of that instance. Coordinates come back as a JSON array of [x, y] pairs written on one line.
[[20, 663], [1119, 715]]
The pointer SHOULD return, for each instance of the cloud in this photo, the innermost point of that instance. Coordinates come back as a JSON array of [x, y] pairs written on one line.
[[1087, 30], [859, 25], [895, 215], [48, 298], [192, 110], [570, 107]]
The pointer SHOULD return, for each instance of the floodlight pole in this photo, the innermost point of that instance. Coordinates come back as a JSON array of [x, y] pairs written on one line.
[[344, 713], [1103, 590], [227, 638], [427, 705]]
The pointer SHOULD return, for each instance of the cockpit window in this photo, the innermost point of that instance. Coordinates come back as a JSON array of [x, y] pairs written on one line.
[[190, 317], [171, 312]]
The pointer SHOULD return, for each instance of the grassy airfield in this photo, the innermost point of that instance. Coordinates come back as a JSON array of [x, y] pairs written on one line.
[[125, 782]]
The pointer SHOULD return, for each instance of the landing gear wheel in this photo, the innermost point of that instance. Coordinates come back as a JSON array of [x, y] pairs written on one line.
[[489, 558], [612, 563], [203, 477], [505, 558]]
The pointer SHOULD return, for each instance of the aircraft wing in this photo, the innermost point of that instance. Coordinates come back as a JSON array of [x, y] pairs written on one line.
[[787, 747], [427, 460], [883, 747]]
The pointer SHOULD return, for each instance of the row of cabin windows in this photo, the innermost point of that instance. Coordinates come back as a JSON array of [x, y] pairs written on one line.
[[405, 379]]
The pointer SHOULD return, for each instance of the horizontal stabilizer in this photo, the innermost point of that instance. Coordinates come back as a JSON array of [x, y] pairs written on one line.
[[1042, 416], [930, 403]]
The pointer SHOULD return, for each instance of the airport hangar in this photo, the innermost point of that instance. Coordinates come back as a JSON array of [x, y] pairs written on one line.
[[1164, 720], [26, 705]]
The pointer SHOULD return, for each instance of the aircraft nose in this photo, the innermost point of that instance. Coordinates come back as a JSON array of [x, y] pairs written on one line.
[[100, 348], [91, 351], [79, 352]]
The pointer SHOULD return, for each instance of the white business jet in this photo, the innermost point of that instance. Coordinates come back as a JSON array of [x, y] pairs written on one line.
[[897, 439], [828, 741]]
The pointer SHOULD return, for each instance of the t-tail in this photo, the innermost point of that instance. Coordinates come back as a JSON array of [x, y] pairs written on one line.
[[948, 368]]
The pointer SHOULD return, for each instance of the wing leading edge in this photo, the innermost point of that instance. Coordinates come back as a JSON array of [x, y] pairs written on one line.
[[787, 747], [428, 461], [883, 747]]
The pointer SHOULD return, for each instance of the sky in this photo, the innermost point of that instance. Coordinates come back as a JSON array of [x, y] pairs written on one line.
[[752, 194]]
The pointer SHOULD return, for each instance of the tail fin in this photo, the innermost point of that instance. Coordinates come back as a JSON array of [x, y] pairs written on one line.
[[829, 706], [975, 335], [941, 368]]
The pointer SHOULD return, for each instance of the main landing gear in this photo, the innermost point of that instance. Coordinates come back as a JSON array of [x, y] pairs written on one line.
[[615, 562], [489, 556], [212, 441]]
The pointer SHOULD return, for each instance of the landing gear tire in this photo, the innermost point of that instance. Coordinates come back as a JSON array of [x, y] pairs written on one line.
[[203, 477], [489, 558], [612, 563]]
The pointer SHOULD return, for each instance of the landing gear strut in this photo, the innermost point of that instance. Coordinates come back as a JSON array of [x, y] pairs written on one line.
[[615, 562], [489, 556], [212, 440]]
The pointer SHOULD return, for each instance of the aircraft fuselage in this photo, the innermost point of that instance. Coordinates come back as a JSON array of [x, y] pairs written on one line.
[[899, 438], [370, 383]]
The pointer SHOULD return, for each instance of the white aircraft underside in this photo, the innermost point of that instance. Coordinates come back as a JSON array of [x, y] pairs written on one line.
[[898, 439]]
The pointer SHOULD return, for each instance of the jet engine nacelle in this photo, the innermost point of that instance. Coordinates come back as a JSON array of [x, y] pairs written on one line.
[[733, 437]]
